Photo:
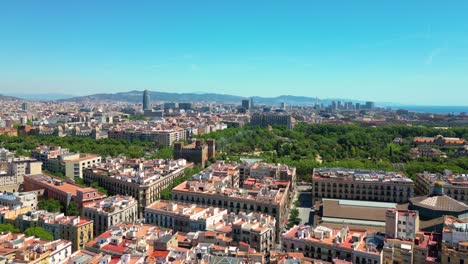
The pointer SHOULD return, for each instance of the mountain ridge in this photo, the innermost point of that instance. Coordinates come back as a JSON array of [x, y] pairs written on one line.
[[135, 96]]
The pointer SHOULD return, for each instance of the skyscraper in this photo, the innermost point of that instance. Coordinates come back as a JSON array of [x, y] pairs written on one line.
[[146, 100], [246, 104]]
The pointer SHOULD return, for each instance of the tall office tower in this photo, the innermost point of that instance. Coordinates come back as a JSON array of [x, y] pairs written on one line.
[[246, 104], [370, 105], [146, 100], [251, 102], [25, 106]]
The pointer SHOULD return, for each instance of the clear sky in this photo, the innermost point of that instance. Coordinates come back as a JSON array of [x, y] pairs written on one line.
[[391, 51]]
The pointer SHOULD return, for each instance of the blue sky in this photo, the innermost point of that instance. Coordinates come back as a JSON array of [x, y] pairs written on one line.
[[392, 51]]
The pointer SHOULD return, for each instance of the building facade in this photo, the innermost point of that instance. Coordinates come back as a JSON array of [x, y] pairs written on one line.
[[144, 180], [454, 185], [63, 191], [18, 200], [271, 119], [111, 211], [57, 159], [268, 197], [12, 173], [75, 229], [183, 217], [342, 183]]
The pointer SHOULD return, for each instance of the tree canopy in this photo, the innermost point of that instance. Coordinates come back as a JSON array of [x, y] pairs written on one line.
[[50, 205], [104, 147], [8, 228], [39, 232], [72, 209], [308, 146]]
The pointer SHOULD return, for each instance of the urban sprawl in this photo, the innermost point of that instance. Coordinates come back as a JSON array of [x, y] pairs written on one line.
[[62, 205]]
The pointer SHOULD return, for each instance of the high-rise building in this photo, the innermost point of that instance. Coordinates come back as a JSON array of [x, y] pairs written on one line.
[[246, 104], [251, 102], [146, 100], [185, 106], [268, 119], [370, 105], [25, 106]]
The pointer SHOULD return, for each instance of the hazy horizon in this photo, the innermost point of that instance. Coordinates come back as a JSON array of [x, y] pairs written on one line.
[[409, 53]]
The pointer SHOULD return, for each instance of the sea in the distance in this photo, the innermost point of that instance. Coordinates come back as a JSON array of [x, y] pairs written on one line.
[[434, 109]]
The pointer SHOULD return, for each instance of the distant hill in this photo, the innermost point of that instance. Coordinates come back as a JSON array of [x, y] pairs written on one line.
[[136, 97], [41, 96], [9, 98]]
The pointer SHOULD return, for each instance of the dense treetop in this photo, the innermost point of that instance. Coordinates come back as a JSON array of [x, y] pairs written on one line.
[[352, 146]]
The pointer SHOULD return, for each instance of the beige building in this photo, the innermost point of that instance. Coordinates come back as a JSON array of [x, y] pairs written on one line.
[[144, 180], [327, 244], [73, 165], [401, 224], [454, 241], [397, 251], [260, 170], [255, 229], [164, 137], [342, 183], [75, 229], [12, 173], [57, 159], [182, 217], [423, 249], [111, 211], [18, 248], [18, 200], [454, 185], [267, 196]]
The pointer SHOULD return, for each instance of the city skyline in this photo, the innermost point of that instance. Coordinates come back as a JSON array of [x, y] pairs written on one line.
[[352, 50]]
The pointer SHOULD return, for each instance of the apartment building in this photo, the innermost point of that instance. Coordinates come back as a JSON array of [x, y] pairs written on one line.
[[163, 137], [111, 211], [454, 241], [266, 196], [127, 239], [327, 244], [183, 217], [260, 170], [343, 183], [454, 185], [223, 228], [13, 170], [61, 190], [75, 229], [256, 230], [422, 250], [142, 179], [57, 159], [401, 224], [19, 248], [228, 171], [271, 119], [19, 199]]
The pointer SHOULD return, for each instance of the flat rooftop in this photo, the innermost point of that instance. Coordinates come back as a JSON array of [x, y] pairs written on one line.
[[346, 174]]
